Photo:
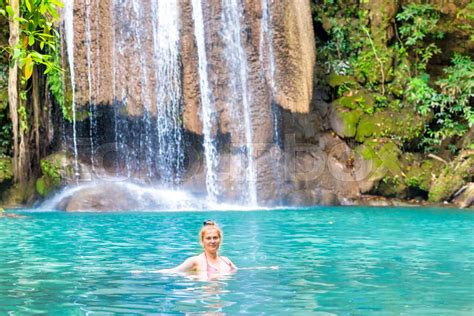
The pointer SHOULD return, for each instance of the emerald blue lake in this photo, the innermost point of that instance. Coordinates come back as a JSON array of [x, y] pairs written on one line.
[[332, 260]]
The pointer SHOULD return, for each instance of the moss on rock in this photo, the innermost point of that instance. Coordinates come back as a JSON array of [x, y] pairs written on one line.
[[335, 80], [416, 172], [43, 186], [420, 174], [358, 99], [17, 195], [405, 125], [6, 169], [55, 168], [344, 121], [453, 177], [392, 187], [384, 157]]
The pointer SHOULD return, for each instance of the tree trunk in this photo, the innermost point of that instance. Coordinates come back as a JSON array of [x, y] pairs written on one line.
[[13, 85], [23, 161], [36, 111]]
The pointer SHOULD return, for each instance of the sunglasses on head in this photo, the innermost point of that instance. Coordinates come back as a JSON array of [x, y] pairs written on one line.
[[208, 222]]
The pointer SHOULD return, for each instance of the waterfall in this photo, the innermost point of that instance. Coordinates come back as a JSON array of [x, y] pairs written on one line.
[[266, 45], [240, 95], [146, 144], [267, 61], [168, 90], [69, 30], [146, 33], [208, 109], [118, 92], [130, 73], [92, 127]]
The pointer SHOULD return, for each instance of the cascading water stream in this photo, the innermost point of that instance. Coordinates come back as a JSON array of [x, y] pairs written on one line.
[[267, 57], [92, 127], [240, 95], [146, 146], [119, 97], [146, 34], [69, 30], [207, 106], [165, 20]]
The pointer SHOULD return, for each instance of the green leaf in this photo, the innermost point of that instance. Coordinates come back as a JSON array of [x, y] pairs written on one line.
[[53, 12], [10, 11], [16, 53], [43, 9], [28, 5], [57, 3], [31, 40], [21, 20]]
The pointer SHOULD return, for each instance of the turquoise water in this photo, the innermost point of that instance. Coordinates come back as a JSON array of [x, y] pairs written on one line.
[[355, 261]]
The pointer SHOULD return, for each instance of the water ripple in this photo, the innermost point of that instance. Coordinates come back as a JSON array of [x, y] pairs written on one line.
[[367, 261]]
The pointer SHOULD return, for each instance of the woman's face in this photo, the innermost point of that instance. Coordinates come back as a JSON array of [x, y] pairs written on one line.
[[211, 240]]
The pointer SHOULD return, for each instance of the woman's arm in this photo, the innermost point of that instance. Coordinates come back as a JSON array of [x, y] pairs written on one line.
[[232, 265], [261, 268], [186, 266]]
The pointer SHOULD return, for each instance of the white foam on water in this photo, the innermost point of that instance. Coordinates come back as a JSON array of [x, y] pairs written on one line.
[[148, 198]]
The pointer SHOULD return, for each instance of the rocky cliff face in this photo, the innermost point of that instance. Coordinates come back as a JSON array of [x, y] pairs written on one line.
[[114, 50], [260, 60]]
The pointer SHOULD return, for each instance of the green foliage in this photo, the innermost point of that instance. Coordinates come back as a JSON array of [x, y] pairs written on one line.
[[36, 32], [419, 21], [37, 45], [6, 172], [413, 182], [5, 124], [338, 23], [55, 83], [421, 95], [465, 21], [451, 104], [457, 89], [358, 57], [51, 171]]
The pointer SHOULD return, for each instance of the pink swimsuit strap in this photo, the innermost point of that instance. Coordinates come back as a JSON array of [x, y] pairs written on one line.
[[212, 269]]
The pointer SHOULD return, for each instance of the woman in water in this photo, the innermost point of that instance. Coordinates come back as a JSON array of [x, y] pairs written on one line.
[[209, 260]]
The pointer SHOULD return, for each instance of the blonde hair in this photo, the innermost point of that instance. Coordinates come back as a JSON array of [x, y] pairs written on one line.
[[210, 225]]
